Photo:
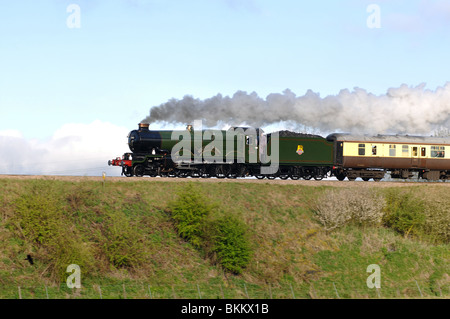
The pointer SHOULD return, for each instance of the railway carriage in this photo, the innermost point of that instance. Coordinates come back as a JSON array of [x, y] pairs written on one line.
[[403, 156]]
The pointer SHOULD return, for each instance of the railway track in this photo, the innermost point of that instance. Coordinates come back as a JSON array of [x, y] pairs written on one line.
[[325, 182]]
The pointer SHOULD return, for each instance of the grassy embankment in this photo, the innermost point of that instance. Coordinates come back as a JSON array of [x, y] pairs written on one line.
[[232, 240]]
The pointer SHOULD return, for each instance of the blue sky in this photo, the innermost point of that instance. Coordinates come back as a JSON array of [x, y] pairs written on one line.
[[130, 55]]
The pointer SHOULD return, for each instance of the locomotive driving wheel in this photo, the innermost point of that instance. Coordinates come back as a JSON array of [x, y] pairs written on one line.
[[222, 171], [139, 170]]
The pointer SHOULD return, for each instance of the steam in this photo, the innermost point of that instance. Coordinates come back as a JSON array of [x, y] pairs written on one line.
[[402, 110]]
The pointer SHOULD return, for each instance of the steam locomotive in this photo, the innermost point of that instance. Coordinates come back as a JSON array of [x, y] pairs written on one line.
[[244, 151]]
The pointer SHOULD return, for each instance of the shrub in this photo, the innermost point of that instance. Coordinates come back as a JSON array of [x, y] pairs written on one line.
[[230, 243], [189, 212], [437, 222], [42, 222], [404, 213], [39, 218], [224, 238], [121, 242], [339, 207]]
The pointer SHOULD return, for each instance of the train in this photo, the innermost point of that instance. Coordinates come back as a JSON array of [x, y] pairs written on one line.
[[249, 152]]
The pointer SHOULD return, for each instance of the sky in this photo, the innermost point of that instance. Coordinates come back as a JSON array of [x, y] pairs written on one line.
[[76, 76]]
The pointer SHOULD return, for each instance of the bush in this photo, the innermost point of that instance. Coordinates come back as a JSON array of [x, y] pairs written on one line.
[[41, 220], [224, 239], [404, 213], [121, 242], [231, 244], [339, 207], [189, 212]]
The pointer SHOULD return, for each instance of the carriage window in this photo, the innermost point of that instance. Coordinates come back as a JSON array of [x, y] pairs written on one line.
[[423, 151], [248, 140], [361, 149], [391, 150], [405, 150], [414, 151], [374, 150], [437, 151]]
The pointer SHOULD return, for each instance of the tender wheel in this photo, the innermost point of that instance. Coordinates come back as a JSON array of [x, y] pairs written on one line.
[[260, 176]]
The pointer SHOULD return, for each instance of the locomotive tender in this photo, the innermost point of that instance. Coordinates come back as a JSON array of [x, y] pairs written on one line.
[[242, 152]]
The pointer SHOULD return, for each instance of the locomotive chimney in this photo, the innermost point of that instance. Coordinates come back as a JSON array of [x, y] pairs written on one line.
[[143, 126]]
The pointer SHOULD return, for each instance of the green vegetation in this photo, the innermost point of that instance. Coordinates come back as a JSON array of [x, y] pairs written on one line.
[[223, 238], [191, 239]]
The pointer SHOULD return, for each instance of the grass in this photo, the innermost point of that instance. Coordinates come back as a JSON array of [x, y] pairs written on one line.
[[128, 244]]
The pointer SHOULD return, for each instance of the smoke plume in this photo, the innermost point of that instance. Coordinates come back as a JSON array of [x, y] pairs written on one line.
[[403, 110]]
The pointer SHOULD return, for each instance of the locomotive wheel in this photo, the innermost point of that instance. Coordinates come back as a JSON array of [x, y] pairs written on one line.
[[172, 174], [204, 173], [295, 177], [139, 170], [318, 177], [285, 176], [128, 171], [222, 171], [271, 176], [260, 176], [366, 179], [184, 174], [195, 174]]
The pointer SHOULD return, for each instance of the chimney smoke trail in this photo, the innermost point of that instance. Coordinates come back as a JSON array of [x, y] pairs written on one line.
[[402, 110]]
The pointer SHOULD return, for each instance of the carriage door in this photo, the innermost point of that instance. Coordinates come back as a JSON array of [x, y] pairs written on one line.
[[423, 157], [415, 156]]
